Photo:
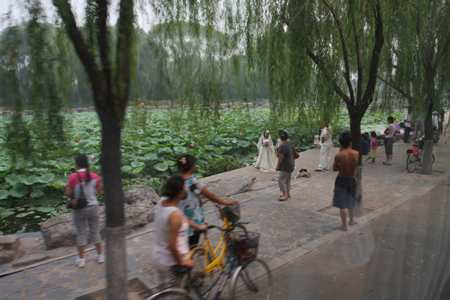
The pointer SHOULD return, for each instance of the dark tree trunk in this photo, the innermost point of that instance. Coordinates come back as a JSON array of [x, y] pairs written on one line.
[[116, 267], [355, 130], [427, 162]]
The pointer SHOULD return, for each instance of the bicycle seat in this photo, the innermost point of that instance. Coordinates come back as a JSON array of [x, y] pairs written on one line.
[[180, 270]]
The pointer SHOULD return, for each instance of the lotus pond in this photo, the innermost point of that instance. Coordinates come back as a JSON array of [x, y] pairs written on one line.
[[31, 186]]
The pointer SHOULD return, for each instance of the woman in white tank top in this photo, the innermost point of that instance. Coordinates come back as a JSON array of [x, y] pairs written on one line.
[[171, 235]]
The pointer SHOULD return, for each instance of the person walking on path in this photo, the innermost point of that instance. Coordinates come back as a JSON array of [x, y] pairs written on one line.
[[326, 140], [344, 197], [171, 245], [389, 140], [90, 183], [407, 120], [191, 206], [285, 165]]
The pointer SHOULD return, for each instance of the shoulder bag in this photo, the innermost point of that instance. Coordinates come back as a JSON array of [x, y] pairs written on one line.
[[296, 154], [80, 202]]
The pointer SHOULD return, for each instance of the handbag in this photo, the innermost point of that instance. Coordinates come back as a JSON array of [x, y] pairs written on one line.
[[402, 125], [80, 202], [296, 154]]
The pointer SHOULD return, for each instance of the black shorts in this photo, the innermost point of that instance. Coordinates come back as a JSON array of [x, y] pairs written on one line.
[[388, 145], [344, 193]]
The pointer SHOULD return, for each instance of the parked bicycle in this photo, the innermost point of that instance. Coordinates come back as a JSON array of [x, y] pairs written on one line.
[[414, 155]]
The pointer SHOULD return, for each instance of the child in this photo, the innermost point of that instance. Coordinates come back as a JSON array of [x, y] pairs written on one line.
[[365, 145], [373, 147], [316, 141]]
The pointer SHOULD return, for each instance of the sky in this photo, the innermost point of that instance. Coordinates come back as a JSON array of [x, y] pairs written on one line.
[[19, 13]]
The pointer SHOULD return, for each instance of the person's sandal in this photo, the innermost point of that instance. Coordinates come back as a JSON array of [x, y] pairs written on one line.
[[283, 199]]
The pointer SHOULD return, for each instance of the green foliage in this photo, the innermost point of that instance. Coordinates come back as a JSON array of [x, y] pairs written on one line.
[[211, 166]]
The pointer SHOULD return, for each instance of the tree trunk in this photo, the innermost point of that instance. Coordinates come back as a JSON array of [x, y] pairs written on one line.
[[427, 163], [116, 267], [355, 130]]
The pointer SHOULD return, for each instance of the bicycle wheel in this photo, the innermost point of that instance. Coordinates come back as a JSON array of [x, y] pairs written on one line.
[[173, 294], [252, 280], [200, 263], [411, 162]]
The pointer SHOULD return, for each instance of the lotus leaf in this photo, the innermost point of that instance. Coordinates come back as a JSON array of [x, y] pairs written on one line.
[[6, 213], [138, 170], [136, 164], [45, 209], [57, 184], [46, 178], [19, 190], [37, 194], [162, 167], [30, 180], [12, 179], [4, 194]]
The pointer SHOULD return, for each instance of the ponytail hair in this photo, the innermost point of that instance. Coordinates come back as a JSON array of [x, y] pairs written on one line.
[[185, 162], [82, 161]]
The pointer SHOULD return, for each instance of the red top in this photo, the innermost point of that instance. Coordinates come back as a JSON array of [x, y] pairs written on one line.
[[73, 179]]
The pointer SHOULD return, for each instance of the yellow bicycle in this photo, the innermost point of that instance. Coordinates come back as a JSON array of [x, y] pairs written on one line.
[[210, 260]]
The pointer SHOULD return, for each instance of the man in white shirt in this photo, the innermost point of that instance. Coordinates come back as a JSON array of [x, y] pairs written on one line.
[[407, 120], [326, 141]]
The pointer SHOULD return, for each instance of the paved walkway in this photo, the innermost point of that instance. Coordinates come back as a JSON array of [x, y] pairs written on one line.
[[403, 254], [288, 230]]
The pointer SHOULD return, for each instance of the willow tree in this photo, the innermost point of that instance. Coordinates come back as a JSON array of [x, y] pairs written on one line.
[[417, 62], [108, 71], [315, 52]]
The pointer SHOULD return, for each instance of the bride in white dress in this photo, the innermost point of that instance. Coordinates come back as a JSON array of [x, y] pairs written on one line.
[[267, 160]]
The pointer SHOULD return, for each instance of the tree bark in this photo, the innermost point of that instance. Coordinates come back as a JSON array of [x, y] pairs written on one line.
[[116, 267], [355, 130], [427, 163]]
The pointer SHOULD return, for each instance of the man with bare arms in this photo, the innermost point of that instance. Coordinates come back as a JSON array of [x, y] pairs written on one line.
[[345, 185]]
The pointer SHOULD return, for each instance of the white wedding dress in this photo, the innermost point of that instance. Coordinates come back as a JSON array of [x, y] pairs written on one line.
[[267, 160]]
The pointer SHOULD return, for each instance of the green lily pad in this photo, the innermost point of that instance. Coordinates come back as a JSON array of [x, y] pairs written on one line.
[[19, 190], [58, 184], [30, 180], [151, 156], [46, 178], [136, 164], [138, 170], [45, 209], [12, 179], [22, 215], [37, 194], [4, 194], [161, 166], [126, 169], [180, 150], [6, 213]]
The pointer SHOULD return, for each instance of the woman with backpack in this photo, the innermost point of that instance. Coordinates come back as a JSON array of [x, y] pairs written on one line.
[[192, 204], [84, 184]]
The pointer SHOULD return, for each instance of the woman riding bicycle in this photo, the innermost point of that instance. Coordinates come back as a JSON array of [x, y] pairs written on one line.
[[171, 235], [192, 205]]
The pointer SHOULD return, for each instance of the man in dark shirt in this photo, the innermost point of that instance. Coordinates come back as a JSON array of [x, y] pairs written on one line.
[[285, 165]]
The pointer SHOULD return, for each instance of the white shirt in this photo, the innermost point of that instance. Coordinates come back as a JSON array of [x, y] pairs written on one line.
[[435, 121], [391, 132], [162, 256], [407, 117], [327, 133]]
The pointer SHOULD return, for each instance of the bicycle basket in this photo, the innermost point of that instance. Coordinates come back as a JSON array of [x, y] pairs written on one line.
[[232, 212], [247, 246]]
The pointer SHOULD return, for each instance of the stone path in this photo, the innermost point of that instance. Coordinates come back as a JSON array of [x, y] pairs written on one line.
[[287, 229]]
